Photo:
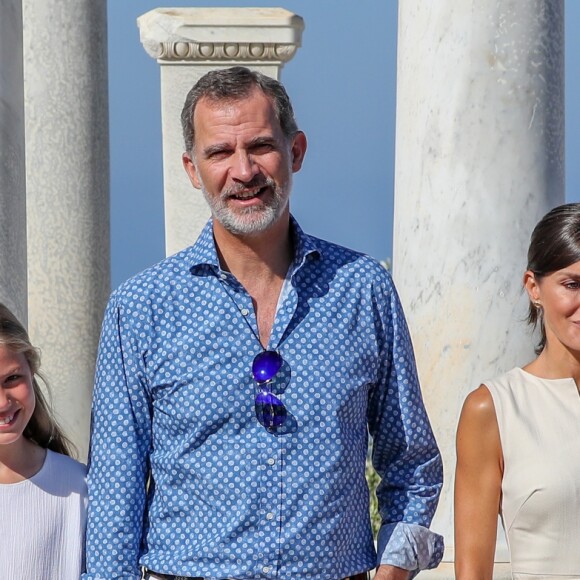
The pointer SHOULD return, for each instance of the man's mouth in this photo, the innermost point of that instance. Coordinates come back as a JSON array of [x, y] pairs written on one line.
[[248, 193]]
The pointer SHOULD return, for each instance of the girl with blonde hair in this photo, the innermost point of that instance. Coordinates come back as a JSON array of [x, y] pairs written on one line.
[[42, 488]]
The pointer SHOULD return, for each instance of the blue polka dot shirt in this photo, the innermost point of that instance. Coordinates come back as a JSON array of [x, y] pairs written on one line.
[[183, 478]]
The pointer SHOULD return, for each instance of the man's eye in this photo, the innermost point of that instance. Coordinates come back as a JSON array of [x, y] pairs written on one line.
[[262, 148], [217, 155]]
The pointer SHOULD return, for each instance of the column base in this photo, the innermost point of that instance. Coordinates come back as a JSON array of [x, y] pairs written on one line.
[[501, 571]]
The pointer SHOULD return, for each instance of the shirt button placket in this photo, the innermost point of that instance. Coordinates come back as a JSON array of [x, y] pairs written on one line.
[[270, 508], [272, 503]]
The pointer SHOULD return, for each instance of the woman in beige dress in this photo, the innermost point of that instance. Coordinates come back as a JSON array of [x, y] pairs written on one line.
[[518, 440]]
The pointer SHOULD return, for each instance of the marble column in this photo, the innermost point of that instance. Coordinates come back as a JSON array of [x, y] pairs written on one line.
[[479, 159], [67, 151], [12, 167], [187, 43]]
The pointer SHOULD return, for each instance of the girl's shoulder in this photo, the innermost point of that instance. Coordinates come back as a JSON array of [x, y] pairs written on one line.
[[65, 461], [65, 470]]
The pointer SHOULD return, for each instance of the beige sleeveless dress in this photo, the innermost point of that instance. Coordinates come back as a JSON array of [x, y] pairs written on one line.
[[539, 426]]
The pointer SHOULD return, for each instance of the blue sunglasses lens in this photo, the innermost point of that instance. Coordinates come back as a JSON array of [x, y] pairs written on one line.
[[266, 365], [270, 411]]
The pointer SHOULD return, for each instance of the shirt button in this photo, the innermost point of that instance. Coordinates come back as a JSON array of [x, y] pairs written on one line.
[[266, 569], [269, 516], [223, 275], [271, 461], [245, 312]]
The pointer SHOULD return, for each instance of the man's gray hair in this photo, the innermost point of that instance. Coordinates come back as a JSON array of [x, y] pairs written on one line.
[[233, 84]]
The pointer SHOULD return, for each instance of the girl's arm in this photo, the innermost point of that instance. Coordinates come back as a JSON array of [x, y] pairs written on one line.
[[477, 487]]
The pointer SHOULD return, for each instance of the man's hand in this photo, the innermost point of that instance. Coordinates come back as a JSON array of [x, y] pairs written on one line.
[[386, 572]]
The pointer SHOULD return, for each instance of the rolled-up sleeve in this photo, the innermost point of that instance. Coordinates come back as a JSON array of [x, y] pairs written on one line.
[[119, 451], [405, 453], [409, 546]]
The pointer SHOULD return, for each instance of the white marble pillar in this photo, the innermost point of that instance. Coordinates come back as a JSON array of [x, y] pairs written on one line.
[[187, 43], [479, 159], [65, 67], [12, 167]]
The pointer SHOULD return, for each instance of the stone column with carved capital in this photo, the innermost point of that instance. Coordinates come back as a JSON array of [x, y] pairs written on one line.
[[187, 43], [12, 168], [67, 152], [479, 159]]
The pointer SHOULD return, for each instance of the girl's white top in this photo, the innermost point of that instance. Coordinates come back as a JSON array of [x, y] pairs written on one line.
[[539, 426], [42, 522]]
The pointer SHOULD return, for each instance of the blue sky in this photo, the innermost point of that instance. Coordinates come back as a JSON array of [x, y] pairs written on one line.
[[342, 84]]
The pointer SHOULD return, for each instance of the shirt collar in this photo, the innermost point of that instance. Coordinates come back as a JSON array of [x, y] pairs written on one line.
[[204, 253]]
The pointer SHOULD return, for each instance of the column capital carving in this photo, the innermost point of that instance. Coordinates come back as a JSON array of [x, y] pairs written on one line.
[[225, 51], [221, 35]]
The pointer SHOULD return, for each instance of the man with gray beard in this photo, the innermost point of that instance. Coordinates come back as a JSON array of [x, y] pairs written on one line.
[[237, 383]]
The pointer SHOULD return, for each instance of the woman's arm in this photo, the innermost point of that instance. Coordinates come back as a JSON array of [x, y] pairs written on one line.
[[477, 487]]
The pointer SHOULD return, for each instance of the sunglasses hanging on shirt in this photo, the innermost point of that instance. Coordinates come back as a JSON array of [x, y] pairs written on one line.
[[270, 410]]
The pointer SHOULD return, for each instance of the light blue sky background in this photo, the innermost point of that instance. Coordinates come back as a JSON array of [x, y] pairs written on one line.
[[342, 84]]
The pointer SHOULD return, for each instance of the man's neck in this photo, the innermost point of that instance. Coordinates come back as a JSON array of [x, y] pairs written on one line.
[[265, 256]]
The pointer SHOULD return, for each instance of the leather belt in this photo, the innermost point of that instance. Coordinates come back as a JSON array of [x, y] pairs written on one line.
[[156, 576]]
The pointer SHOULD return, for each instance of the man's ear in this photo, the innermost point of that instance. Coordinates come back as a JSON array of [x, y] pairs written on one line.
[[191, 169], [298, 150]]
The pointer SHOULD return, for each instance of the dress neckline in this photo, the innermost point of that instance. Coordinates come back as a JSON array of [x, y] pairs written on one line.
[[564, 380]]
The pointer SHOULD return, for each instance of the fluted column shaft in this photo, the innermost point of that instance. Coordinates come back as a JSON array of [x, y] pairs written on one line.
[[65, 64], [479, 159], [12, 166]]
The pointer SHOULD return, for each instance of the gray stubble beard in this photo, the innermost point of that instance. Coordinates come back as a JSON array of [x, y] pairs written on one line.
[[234, 222]]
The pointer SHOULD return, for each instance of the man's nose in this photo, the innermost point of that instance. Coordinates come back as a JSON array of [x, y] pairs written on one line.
[[244, 167]]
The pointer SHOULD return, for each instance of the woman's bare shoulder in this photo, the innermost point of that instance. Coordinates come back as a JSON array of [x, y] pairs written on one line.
[[478, 424], [479, 404]]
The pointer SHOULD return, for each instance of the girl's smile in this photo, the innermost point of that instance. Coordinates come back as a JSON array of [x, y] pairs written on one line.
[[17, 400]]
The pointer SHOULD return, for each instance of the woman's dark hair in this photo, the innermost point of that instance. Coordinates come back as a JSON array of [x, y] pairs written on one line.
[[42, 428], [555, 244]]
